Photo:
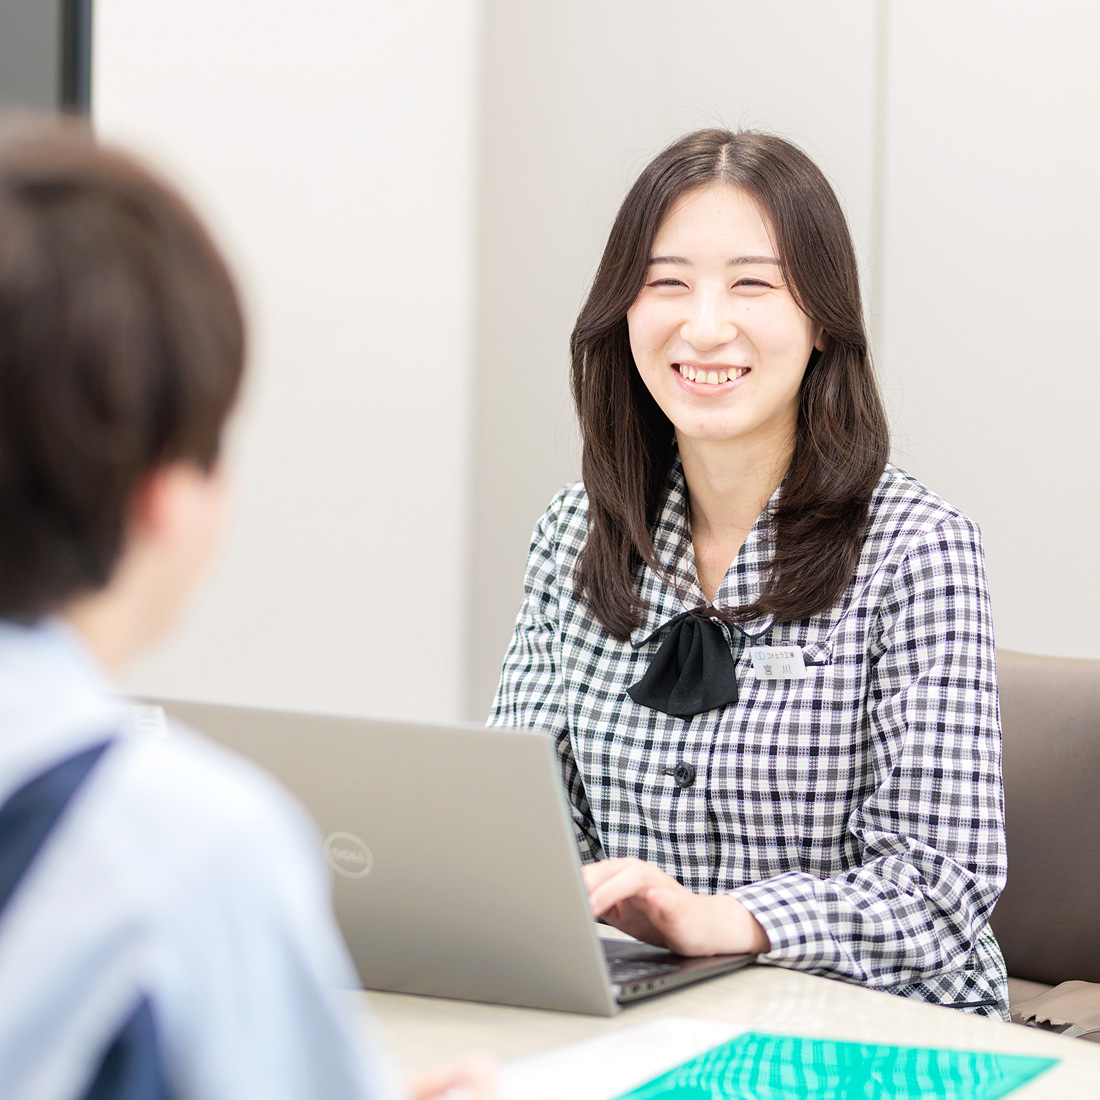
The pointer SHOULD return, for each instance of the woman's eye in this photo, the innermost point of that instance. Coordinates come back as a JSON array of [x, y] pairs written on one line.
[[666, 282], [754, 283]]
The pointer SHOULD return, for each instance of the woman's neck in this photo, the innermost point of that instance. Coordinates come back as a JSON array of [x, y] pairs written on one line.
[[728, 487]]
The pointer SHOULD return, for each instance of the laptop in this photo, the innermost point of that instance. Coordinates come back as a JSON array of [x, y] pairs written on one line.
[[455, 869]]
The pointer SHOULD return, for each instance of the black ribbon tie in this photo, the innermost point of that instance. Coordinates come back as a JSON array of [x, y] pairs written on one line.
[[693, 670]]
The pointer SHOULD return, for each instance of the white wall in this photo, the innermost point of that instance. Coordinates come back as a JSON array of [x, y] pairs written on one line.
[[333, 146], [990, 291], [417, 195]]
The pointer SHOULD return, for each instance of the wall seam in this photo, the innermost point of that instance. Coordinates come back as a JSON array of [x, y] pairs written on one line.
[[878, 170]]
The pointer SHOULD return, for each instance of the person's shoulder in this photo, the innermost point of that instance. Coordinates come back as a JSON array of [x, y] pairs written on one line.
[[222, 875], [569, 503], [902, 507], [564, 524], [189, 769], [183, 803]]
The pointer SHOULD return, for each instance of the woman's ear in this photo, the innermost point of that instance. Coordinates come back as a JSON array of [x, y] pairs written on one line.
[[821, 340]]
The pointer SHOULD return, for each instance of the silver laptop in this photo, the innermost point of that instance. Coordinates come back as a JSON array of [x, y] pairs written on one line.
[[456, 873]]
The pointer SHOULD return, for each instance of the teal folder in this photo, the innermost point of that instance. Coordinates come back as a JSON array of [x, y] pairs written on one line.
[[756, 1066]]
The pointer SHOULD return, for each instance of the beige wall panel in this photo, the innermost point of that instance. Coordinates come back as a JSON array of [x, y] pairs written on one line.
[[989, 293], [334, 147]]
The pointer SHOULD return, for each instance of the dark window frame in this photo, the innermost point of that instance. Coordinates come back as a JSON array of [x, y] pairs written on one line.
[[75, 93]]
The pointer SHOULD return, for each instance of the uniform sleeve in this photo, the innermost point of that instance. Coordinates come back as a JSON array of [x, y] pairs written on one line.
[[531, 692], [931, 833], [255, 998]]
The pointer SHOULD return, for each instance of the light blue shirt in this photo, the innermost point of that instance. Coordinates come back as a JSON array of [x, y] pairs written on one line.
[[180, 874]]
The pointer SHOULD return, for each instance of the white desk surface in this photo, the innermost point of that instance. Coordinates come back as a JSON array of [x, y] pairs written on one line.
[[423, 1032]]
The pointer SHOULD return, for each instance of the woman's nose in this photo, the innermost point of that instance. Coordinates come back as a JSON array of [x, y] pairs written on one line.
[[709, 322]]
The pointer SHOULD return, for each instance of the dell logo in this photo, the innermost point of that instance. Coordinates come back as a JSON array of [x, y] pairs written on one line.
[[347, 855]]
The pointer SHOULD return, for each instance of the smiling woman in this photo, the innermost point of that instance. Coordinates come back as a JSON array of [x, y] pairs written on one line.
[[722, 347], [780, 210], [765, 653], [720, 343]]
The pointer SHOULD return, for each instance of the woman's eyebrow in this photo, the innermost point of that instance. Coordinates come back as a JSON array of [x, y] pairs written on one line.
[[739, 261]]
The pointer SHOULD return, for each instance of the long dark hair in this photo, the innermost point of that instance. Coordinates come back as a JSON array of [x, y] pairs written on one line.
[[842, 439]]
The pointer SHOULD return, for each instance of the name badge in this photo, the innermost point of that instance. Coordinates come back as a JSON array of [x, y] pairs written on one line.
[[778, 662]]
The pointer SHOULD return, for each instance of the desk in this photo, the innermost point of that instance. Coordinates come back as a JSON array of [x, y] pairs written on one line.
[[425, 1031]]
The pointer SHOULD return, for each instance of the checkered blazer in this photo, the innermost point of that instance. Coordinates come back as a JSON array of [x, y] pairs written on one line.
[[857, 813]]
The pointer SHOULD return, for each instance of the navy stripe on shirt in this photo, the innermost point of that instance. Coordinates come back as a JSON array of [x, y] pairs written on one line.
[[28, 817], [132, 1068]]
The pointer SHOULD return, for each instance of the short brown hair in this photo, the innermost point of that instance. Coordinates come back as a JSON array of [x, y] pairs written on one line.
[[842, 440], [121, 350]]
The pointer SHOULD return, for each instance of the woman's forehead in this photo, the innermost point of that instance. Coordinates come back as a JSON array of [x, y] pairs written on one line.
[[717, 214]]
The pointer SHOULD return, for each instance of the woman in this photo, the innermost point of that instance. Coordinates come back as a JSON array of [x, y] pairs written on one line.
[[765, 653]]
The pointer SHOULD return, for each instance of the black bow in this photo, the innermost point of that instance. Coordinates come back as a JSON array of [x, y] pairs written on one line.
[[693, 671]]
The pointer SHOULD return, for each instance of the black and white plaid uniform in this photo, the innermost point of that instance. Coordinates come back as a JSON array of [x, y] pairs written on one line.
[[857, 813]]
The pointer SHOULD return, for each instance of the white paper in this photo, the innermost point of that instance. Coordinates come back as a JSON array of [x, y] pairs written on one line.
[[608, 1065]]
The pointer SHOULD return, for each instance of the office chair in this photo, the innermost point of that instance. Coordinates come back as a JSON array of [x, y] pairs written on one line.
[[1048, 918]]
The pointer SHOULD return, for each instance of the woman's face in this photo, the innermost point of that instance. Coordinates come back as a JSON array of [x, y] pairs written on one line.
[[717, 338]]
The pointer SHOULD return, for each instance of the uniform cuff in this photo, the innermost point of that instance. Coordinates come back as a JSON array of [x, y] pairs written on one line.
[[790, 915]]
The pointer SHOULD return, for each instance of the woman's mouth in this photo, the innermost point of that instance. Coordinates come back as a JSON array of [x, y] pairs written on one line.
[[703, 376]]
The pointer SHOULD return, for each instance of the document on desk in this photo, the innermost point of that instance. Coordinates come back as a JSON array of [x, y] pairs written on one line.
[[612, 1064], [621, 1066]]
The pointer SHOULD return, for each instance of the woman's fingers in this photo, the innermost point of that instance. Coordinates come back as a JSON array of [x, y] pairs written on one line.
[[641, 900], [645, 902], [602, 870], [612, 881]]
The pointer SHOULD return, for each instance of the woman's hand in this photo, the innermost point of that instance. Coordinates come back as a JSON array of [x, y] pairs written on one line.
[[641, 900]]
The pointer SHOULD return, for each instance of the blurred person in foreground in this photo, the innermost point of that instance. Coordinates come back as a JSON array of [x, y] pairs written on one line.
[[164, 919]]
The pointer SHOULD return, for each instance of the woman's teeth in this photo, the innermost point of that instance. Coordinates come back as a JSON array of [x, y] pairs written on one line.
[[709, 377]]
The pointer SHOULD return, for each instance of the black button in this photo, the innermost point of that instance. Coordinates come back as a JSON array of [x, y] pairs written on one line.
[[683, 773]]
